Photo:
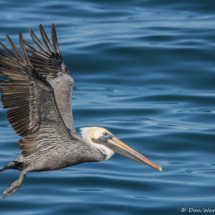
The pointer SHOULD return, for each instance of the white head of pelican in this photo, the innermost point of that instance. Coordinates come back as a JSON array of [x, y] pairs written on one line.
[[107, 143]]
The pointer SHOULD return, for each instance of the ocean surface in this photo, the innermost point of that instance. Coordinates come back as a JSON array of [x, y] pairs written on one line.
[[144, 70]]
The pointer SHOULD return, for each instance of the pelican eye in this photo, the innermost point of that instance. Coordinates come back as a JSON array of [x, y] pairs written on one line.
[[105, 134]]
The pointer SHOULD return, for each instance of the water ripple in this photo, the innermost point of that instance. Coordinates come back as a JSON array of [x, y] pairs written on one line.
[[145, 71]]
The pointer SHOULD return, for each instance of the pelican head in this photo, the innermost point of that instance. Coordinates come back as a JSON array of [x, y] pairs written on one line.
[[107, 143]]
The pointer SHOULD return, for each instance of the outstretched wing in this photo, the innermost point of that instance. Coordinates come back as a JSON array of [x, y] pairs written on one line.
[[49, 63], [33, 111]]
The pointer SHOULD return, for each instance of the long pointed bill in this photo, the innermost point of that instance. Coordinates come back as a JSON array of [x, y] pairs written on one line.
[[121, 148]]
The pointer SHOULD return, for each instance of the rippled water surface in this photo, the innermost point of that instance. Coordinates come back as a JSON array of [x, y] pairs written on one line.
[[143, 69]]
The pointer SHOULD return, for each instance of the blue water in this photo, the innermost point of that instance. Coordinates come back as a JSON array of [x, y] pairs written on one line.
[[143, 69]]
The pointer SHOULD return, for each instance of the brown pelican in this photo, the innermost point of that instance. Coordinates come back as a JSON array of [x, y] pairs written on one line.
[[38, 97]]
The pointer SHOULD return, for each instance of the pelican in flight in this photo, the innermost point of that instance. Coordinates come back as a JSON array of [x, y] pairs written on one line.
[[38, 96]]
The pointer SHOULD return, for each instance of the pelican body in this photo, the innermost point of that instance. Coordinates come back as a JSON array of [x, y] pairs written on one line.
[[38, 95]]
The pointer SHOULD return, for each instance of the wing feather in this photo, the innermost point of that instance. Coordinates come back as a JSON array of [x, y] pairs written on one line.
[[33, 112], [14, 48], [45, 39], [54, 39], [38, 43], [49, 63]]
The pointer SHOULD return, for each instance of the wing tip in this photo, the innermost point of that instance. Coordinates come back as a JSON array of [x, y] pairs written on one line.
[[46, 39], [54, 39], [22, 45]]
